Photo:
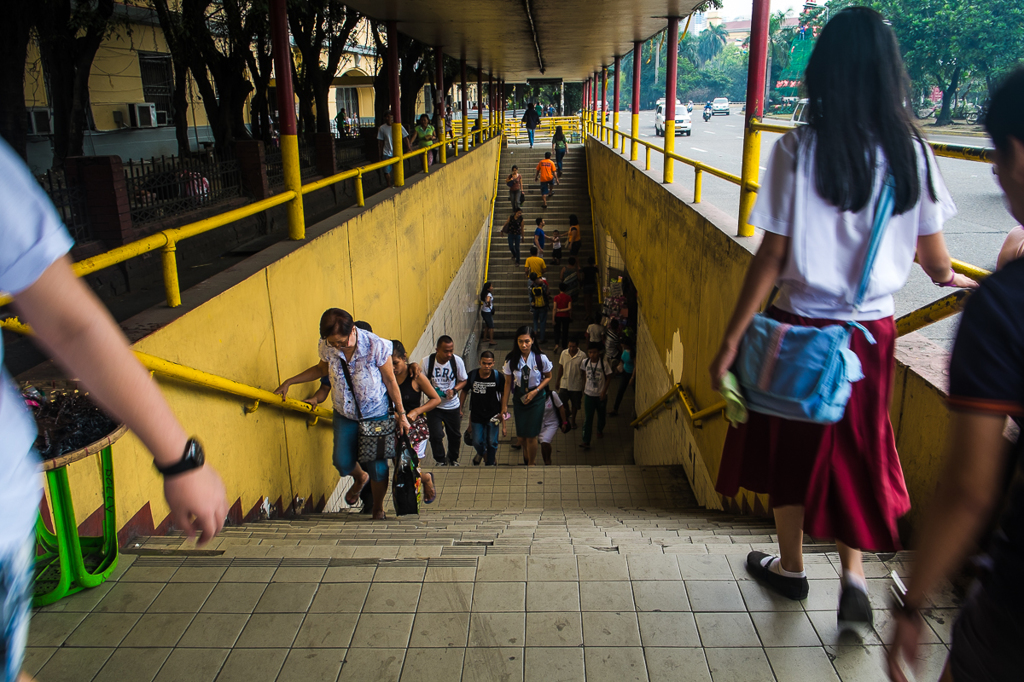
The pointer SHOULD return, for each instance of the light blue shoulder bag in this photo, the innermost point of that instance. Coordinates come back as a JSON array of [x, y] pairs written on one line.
[[806, 373]]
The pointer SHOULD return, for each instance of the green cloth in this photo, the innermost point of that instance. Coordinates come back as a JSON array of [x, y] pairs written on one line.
[[735, 405], [422, 134]]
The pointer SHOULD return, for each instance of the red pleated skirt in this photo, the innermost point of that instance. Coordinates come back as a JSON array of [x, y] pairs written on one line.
[[846, 475]]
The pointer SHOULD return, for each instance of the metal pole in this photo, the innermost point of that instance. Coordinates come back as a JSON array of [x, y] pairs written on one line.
[[670, 95], [634, 128], [465, 106], [561, 98], [585, 106], [615, 105], [756, 72], [286, 116], [442, 135], [479, 102], [604, 102], [398, 167], [490, 100]]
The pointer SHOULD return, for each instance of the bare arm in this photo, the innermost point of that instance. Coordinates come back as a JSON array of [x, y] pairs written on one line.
[[504, 394], [312, 374], [1012, 247], [433, 400], [558, 381], [761, 276], [72, 325], [320, 396], [934, 259], [963, 502], [387, 372]]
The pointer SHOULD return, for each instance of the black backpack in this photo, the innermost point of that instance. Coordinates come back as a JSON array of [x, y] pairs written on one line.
[[453, 362]]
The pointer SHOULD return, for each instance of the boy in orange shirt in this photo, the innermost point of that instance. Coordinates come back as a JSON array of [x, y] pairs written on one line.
[[547, 173]]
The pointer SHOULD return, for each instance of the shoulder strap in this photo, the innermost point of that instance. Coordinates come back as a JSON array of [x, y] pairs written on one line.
[[352, 390], [883, 212], [430, 368]]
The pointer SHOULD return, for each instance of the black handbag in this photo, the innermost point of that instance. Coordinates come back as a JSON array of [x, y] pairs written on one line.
[[376, 436], [406, 482]]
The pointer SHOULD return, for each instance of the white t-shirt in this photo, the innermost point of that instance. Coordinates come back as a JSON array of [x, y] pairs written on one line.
[[828, 246], [572, 375], [384, 134], [444, 379], [597, 375], [549, 427], [595, 332], [533, 376], [32, 238], [488, 305]]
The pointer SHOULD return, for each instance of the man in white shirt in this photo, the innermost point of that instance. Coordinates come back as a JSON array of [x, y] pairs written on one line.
[[447, 374], [385, 142], [570, 378], [78, 331]]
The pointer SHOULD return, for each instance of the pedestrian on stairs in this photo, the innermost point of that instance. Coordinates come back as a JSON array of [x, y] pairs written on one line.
[[595, 391], [527, 375], [575, 239], [556, 247], [385, 142], [628, 358], [486, 386], [560, 145], [563, 317], [413, 388], [487, 313], [570, 381], [546, 173], [570, 277], [531, 119], [513, 229], [514, 182], [447, 374], [540, 301], [540, 237], [535, 265]]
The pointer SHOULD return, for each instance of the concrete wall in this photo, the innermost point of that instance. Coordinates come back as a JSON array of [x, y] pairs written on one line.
[[688, 267], [409, 263]]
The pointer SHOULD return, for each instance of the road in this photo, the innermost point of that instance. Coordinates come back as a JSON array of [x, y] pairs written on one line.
[[973, 235]]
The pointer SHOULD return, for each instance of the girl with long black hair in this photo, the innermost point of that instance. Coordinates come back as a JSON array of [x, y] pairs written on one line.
[[487, 313], [527, 375], [816, 206]]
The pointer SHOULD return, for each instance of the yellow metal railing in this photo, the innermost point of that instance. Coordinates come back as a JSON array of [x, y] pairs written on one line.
[[166, 240], [490, 224]]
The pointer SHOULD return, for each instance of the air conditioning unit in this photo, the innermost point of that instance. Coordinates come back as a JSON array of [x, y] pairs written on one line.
[[40, 121], [142, 115]]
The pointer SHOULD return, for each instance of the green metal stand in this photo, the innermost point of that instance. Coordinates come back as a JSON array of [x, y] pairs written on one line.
[[65, 562]]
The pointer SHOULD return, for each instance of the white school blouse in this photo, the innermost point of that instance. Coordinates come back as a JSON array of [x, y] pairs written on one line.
[[828, 246]]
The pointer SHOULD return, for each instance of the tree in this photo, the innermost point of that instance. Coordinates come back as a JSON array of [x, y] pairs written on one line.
[[711, 42], [15, 29], [780, 42]]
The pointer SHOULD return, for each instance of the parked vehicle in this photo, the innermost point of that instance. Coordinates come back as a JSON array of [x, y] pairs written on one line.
[[799, 116], [720, 106], [683, 125]]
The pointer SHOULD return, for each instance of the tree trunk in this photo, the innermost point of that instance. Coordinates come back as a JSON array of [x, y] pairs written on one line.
[[14, 36], [321, 99], [945, 116], [180, 105]]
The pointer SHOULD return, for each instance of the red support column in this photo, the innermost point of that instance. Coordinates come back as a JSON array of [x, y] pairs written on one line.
[[615, 105], [585, 106], [490, 100], [439, 105], [480, 102], [465, 105], [289, 141], [634, 128], [756, 69], [398, 168], [671, 63]]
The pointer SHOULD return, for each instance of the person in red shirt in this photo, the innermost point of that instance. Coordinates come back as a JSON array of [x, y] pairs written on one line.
[[547, 173], [563, 316]]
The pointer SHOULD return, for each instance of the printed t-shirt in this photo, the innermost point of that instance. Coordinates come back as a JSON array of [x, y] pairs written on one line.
[[32, 238], [546, 170], [384, 134], [596, 374], [488, 306], [572, 372], [536, 264], [485, 395], [517, 183], [527, 368], [563, 300], [828, 246], [371, 353], [611, 345], [445, 377]]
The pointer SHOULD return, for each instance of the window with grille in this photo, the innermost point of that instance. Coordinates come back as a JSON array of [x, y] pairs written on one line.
[[158, 83]]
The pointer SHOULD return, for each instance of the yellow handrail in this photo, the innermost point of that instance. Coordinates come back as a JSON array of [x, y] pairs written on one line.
[[677, 390], [490, 223], [166, 240], [199, 378]]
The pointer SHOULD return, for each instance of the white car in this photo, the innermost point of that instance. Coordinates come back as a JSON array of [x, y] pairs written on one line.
[[800, 113], [720, 105], [684, 125]]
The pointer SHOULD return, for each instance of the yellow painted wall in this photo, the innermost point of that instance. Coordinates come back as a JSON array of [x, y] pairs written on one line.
[[389, 265], [688, 271]]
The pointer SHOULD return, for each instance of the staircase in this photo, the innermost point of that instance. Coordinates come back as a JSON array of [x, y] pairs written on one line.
[[511, 299]]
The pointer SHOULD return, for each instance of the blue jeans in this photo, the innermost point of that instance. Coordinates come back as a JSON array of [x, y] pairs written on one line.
[[346, 448], [559, 155], [485, 440], [529, 132], [513, 245], [540, 319]]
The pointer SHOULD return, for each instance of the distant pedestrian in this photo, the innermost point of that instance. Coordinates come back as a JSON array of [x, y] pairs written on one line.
[[540, 237], [487, 312], [531, 120], [570, 378], [627, 375], [539, 304], [556, 247], [560, 145], [595, 392], [448, 121], [612, 346], [513, 229], [554, 416], [514, 182], [563, 317], [484, 390], [535, 264], [595, 332], [546, 173], [385, 147], [589, 284], [570, 277], [447, 374], [424, 136], [527, 375], [575, 238]]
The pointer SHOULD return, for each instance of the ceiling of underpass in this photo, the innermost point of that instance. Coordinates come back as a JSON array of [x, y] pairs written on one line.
[[521, 39]]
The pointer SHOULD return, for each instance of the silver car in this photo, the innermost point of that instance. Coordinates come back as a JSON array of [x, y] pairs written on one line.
[[684, 125], [720, 106]]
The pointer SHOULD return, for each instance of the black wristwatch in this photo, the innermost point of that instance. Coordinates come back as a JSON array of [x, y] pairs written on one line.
[[192, 459]]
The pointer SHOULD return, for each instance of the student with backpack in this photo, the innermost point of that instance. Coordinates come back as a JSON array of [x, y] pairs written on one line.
[[447, 374], [560, 145], [817, 204], [486, 386], [527, 375], [540, 301], [531, 119], [546, 173], [597, 376]]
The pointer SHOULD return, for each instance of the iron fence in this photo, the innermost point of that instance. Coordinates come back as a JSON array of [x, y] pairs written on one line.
[[165, 187], [275, 166], [70, 204]]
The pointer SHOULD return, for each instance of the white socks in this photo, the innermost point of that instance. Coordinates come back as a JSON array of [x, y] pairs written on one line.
[[774, 564], [854, 580]]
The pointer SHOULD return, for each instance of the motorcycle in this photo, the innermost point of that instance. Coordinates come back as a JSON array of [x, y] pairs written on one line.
[[689, 108], [707, 115]]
